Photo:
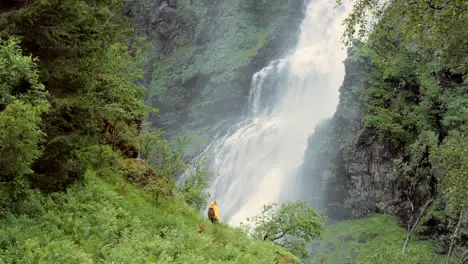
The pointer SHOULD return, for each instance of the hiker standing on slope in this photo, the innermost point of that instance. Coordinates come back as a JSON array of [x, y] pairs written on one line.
[[213, 212]]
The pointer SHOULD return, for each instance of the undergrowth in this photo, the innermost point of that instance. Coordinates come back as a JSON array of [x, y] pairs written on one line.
[[99, 222], [370, 241]]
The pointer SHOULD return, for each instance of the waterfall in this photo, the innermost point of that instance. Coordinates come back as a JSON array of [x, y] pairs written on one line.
[[256, 161]]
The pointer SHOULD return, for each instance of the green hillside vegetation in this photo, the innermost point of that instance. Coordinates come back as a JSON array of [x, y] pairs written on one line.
[[372, 240], [94, 222]]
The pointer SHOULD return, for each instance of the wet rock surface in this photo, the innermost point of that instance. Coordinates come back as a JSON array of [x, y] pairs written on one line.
[[204, 54], [358, 172]]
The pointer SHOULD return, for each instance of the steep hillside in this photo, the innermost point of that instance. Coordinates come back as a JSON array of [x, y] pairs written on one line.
[[97, 222]]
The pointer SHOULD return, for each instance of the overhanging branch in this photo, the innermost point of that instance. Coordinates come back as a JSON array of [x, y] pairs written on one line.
[[431, 5]]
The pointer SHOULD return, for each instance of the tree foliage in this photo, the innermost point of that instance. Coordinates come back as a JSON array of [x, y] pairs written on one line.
[[69, 37], [166, 156], [452, 158], [169, 162], [293, 225], [22, 102], [90, 74], [417, 93], [437, 28], [193, 189], [417, 96]]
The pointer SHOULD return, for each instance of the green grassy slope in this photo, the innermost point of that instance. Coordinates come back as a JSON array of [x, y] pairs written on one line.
[[96, 223], [373, 240]]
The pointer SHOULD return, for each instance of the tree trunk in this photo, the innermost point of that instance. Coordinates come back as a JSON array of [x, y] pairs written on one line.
[[454, 235], [410, 231], [462, 259], [114, 134]]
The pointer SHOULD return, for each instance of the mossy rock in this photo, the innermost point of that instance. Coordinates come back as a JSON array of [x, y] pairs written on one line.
[[283, 258], [345, 237], [330, 247]]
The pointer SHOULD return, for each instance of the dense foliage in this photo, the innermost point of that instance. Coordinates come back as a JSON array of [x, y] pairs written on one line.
[[293, 225], [417, 101], [22, 102], [90, 76]]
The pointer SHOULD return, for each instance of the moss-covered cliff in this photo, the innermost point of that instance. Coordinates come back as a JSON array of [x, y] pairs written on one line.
[[398, 140], [204, 53]]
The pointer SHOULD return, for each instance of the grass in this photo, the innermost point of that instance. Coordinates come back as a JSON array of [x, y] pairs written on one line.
[[96, 223], [373, 240]]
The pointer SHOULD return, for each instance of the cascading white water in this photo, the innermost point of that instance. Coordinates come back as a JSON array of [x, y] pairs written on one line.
[[258, 158]]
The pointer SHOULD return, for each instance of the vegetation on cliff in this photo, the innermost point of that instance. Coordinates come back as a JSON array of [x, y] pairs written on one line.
[[415, 102], [203, 54]]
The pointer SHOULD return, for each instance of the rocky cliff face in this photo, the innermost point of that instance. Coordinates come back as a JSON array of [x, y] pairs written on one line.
[[357, 172], [7, 5], [385, 148], [204, 53]]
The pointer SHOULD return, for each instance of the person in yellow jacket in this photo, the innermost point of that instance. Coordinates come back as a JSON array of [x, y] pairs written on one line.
[[213, 212]]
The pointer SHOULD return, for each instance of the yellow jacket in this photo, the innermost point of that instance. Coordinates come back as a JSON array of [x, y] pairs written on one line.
[[215, 209]]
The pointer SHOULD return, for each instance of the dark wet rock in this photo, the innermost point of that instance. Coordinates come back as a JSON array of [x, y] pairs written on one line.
[[440, 250], [8, 5], [345, 238], [363, 178], [330, 247]]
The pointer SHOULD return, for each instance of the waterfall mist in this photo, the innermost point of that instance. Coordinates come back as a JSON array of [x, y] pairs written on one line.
[[256, 161]]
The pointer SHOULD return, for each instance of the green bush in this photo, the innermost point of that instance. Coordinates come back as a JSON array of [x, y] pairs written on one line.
[[193, 190], [292, 225], [97, 157], [22, 102]]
